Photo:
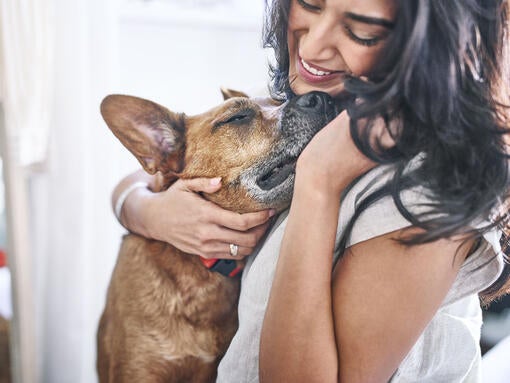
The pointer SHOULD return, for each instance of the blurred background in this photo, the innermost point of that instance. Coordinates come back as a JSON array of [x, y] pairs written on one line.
[[59, 58]]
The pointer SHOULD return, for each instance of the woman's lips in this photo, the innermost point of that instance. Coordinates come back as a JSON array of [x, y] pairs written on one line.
[[313, 74]]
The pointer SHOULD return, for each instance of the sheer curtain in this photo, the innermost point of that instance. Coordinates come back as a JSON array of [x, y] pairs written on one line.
[[26, 76], [26, 42]]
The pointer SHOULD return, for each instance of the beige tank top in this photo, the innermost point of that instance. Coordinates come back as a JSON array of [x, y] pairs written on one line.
[[447, 350]]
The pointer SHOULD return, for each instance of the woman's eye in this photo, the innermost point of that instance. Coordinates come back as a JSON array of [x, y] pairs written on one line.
[[308, 6], [362, 40]]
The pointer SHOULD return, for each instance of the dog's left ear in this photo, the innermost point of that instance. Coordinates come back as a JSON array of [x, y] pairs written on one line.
[[148, 130], [229, 93]]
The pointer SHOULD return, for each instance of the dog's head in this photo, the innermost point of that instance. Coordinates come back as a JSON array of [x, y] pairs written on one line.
[[252, 144]]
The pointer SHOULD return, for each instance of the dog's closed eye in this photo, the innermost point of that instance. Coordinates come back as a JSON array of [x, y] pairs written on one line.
[[237, 118], [244, 116]]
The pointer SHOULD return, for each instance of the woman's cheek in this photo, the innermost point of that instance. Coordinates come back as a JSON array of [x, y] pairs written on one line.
[[362, 61], [360, 65]]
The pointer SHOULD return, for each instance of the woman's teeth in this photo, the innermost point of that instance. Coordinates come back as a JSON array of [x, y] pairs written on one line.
[[312, 70]]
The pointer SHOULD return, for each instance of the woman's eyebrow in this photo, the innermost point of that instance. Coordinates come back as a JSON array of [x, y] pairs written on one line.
[[370, 20]]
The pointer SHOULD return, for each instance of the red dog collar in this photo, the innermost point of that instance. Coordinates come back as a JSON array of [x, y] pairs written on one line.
[[225, 267]]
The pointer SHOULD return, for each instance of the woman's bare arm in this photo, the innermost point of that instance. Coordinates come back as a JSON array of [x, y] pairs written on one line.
[[181, 217], [384, 294], [357, 324]]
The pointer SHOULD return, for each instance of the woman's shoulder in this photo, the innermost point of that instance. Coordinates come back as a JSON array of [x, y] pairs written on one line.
[[479, 270], [381, 216]]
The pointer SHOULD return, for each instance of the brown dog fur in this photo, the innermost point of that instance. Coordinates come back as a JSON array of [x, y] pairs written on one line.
[[167, 318]]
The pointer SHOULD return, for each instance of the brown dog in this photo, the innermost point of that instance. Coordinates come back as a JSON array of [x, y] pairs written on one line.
[[167, 317]]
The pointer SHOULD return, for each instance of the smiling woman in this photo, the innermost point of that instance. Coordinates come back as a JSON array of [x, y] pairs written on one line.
[[410, 214], [390, 213], [352, 36]]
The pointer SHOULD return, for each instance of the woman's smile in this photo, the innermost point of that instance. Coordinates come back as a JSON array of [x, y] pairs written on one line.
[[331, 40], [314, 74]]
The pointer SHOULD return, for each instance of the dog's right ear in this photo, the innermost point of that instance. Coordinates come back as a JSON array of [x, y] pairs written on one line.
[[229, 93], [148, 130]]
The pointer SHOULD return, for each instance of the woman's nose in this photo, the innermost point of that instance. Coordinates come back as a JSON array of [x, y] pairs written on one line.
[[319, 42]]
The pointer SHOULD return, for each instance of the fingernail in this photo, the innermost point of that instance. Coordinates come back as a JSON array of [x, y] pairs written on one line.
[[215, 181], [272, 212]]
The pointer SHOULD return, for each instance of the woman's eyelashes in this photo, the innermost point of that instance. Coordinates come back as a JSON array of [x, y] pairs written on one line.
[[362, 40], [308, 6], [368, 42]]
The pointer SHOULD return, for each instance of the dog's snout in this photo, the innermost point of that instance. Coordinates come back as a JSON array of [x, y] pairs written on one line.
[[314, 102], [308, 113]]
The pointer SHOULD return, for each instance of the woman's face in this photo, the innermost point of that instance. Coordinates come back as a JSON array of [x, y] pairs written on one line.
[[329, 39]]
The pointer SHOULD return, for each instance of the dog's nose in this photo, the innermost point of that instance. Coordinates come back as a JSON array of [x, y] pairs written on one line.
[[315, 102], [308, 113]]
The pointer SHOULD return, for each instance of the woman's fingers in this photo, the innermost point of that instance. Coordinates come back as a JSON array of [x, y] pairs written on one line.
[[246, 242], [221, 217], [223, 252], [248, 238], [197, 226], [201, 185], [242, 222]]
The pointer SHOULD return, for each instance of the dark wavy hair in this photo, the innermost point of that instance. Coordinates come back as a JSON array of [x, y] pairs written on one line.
[[442, 86]]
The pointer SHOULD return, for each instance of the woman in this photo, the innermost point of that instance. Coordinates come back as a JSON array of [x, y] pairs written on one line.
[[415, 166]]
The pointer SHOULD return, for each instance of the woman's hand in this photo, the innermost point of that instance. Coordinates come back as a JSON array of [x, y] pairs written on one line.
[[194, 225], [331, 161]]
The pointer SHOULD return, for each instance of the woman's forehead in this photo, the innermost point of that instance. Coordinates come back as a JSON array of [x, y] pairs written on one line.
[[372, 8]]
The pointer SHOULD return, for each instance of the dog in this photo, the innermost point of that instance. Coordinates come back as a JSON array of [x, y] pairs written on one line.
[[167, 317]]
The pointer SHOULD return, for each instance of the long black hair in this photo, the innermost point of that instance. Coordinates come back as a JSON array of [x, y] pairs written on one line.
[[442, 86]]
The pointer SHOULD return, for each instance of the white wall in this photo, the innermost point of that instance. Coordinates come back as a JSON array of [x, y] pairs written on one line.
[[178, 57], [181, 56]]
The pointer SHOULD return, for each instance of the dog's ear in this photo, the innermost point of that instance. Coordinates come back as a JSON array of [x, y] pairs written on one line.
[[229, 93], [148, 130]]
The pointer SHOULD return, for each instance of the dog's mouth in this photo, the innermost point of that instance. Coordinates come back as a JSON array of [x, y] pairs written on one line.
[[270, 180], [277, 174]]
